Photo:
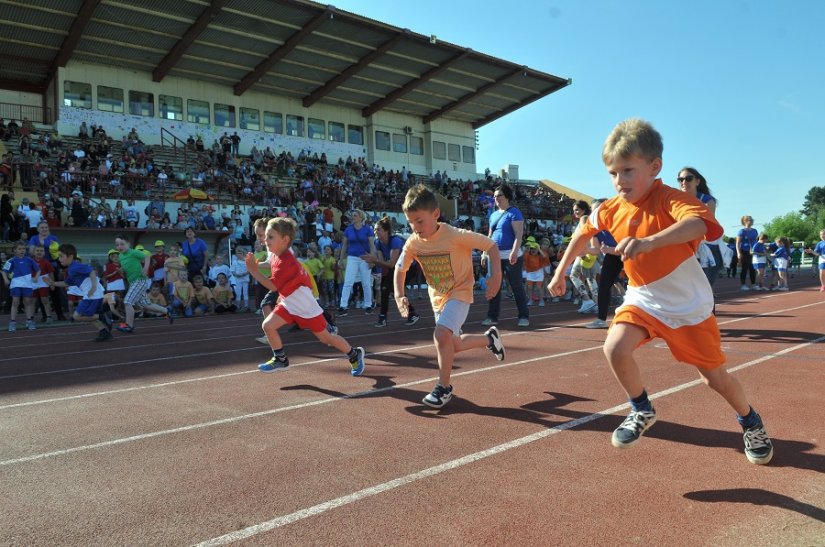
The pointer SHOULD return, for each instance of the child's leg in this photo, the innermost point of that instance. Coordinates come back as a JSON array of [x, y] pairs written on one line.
[[15, 303], [28, 305], [728, 387], [333, 340], [272, 322], [619, 346], [93, 319], [47, 305], [822, 276], [445, 346]]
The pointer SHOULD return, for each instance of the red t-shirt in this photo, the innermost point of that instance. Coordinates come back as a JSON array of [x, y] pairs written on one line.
[[156, 262], [288, 274], [45, 267], [112, 272]]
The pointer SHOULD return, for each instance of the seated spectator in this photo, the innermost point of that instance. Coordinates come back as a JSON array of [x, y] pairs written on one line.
[[201, 297], [182, 295], [83, 132], [223, 296]]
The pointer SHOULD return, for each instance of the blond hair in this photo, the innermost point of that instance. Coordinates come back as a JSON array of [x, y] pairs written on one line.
[[260, 224], [633, 137], [284, 226], [420, 198]]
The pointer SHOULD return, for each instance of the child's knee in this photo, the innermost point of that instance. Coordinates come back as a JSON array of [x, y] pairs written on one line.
[[442, 335]]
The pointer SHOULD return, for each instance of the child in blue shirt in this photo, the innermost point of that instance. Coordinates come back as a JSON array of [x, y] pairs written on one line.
[[781, 258], [19, 273], [760, 262], [819, 251], [84, 277]]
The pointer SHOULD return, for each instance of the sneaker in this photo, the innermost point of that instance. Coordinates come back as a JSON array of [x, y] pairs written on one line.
[[555, 299], [274, 364], [758, 447], [332, 329], [382, 322], [103, 336], [636, 423], [342, 312], [530, 303], [744, 288], [523, 322], [262, 340], [123, 327], [358, 364], [487, 322], [577, 301], [368, 309], [49, 320], [30, 325], [413, 319], [586, 306], [439, 396], [541, 303], [12, 326], [597, 324], [783, 289], [106, 319], [496, 347]]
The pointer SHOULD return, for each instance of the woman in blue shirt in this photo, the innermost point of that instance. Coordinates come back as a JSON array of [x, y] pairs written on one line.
[[358, 241], [745, 240], [693, 183], [507, 229]]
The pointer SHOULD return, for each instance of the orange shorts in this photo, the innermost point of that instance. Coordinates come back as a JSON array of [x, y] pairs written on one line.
[[698, 345]]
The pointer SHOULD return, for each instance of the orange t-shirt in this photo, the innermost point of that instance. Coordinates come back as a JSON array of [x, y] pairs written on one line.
[[533, 263], [447, 262]]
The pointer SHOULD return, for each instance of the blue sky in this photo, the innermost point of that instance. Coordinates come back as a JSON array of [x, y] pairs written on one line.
[[737, 88]]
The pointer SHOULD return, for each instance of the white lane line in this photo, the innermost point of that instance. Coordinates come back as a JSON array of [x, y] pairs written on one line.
[[327, 506], [269, 412]]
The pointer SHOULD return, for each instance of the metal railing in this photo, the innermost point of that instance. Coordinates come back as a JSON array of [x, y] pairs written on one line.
[[16, 112]]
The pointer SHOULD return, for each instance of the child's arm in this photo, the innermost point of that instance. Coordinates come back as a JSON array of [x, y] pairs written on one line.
[[93, 288], [685, 230], [494, 282], [252, 266]]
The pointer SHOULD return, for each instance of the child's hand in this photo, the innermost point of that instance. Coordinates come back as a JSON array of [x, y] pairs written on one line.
[[557, 285], [403, 306], [250, 261]]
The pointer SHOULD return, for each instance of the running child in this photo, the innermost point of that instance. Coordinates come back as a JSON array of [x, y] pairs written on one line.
[[18, 273], [296, 303], [84, 277], [658, 229], [445, 256], [135, 266]]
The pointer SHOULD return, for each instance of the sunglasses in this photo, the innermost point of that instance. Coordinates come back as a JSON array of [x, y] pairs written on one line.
[[688, 178]]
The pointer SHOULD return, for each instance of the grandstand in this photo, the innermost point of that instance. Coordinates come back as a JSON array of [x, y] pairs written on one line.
[[322, 103]]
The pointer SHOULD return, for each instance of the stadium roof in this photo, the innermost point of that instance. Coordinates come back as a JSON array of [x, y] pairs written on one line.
[[295, 48]]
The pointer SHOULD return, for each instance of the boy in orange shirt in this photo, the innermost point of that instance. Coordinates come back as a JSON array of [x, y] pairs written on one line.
[[658, 229], [445, 256]]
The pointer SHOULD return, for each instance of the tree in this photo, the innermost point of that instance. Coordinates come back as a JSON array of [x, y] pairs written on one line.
[[795, 227], [814, 201]]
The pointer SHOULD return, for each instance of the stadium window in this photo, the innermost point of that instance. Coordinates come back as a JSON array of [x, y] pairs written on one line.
[[454, 152], [109, 99], [251, 119], [142, 103], [469, 154], [294, 125], [224, 115], [171, 108], [274, 122], [417, 146], [77, 94], [399, 143], [355, 134], [439, 150], [197, 112], [336, 131], [316, 129], [382, 140]]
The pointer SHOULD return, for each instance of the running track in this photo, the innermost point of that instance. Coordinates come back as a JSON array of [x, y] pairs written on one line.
[[170, 436]]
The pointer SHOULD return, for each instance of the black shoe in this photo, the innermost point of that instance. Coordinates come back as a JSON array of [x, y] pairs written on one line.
[[103, 336], [342, 312], [382, 322], [369, 310], [106, 319], [636, 423], [412, 320]]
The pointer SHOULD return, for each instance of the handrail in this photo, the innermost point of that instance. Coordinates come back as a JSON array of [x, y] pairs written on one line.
[[173, 140], [36, 114]]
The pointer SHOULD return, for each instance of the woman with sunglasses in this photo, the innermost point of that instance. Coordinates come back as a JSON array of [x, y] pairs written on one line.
[[692, 182]]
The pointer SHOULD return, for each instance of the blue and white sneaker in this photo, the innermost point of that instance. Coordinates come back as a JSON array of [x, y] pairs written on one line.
[[357, 364], [274, 365], [495, 346]]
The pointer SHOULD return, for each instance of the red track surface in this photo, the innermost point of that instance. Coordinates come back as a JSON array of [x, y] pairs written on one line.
[[170, 436]]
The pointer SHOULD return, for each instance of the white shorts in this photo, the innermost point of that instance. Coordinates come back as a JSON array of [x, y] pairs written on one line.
[[116, 285], [137, 293], [535, 277], [453, 315]]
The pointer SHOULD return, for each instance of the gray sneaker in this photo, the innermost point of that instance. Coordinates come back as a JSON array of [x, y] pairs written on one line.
[[487, 322], [523, 322], [597, 324], [758, 446], [636, 423]]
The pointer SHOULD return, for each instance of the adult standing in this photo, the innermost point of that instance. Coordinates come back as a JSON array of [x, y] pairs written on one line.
[[8, 222], [745, 240], [507, 229], [611, 268], [692, 182], [388, 247], [358, 241], [196, 251]]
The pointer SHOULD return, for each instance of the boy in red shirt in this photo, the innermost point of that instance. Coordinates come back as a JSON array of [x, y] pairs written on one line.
[[296, 303]]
